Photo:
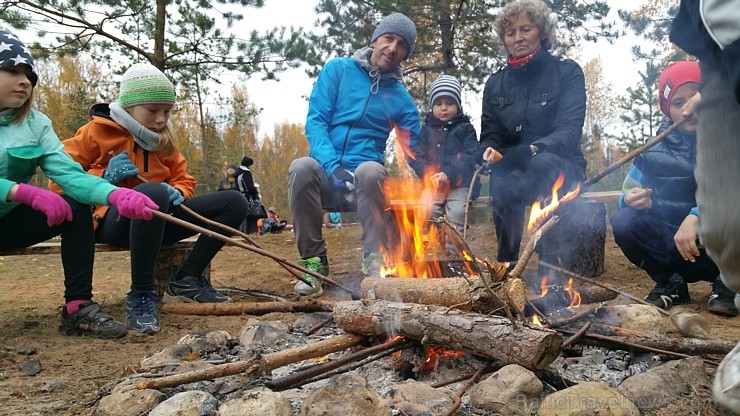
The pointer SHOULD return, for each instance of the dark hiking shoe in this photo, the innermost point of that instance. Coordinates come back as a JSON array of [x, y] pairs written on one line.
[[722, 300], [316, 288], [141, 311], [89, 319], [193, 289], [667, 295]]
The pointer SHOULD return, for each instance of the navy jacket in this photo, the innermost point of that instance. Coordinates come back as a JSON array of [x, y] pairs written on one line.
[[450, 147], [542, 103]]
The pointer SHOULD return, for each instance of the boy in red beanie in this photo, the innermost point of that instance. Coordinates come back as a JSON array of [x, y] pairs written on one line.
[[657, 220]]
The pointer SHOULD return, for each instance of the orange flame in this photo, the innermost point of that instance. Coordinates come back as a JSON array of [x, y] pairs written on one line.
[[575, 297], [536, 320], [543, 286], [435, 354], [537, 213], [416, 234]]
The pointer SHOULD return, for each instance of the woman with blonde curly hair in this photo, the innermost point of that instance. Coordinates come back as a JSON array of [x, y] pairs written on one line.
[[533, 113]]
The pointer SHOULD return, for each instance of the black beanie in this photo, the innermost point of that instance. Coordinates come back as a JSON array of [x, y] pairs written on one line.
[[247, 161]]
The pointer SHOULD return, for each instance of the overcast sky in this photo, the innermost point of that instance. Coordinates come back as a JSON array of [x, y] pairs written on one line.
[[284, 100]]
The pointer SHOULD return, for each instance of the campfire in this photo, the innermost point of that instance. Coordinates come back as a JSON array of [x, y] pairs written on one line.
[[454, 329]]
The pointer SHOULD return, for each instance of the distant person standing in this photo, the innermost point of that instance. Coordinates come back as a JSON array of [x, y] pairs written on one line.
[[250, 189], [229, 182]]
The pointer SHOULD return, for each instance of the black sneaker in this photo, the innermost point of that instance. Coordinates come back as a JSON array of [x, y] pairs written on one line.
[[193, 289], [141, 311], [722, 300], [89, 319], [668, 295]]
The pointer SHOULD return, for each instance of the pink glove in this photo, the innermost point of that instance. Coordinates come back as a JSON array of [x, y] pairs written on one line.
[[132, 204], [57, 210]]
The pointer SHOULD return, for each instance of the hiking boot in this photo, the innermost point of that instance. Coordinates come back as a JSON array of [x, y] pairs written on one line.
[[371, 265], [316, 288], [667, 295], [722, 300], [192, 289], [89, 319], [141, 311]]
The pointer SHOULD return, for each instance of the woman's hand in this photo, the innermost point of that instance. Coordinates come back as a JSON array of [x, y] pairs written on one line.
[[639, 198], [685, 238]]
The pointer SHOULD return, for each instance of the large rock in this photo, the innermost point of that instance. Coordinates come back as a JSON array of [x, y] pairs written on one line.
[[129, 403], [262, 402], [172, 355], [265, 333], [415, 398], [511, 390], [587, 399], [187, 403], [671, 385], [206, 340], [644, 318], [345, 394]]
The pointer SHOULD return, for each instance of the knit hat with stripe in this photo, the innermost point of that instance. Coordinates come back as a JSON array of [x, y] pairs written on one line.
[[145, 84], [445, 86]]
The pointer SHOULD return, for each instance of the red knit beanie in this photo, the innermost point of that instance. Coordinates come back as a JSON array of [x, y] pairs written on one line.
[[672, 77]]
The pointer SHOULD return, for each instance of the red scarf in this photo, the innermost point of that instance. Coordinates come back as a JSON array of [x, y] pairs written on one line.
[[520, 62]]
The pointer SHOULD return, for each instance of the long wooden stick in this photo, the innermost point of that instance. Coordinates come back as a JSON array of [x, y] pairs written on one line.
[[629, 156], [246, 308], [529, 248], [255, 368], [240, 234], [238, 243]]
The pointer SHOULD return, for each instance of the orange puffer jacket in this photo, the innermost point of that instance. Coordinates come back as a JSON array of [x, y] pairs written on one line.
[[91, 145]]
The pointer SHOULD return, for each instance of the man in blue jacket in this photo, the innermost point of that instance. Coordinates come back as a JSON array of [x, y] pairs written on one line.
[[353, 107]]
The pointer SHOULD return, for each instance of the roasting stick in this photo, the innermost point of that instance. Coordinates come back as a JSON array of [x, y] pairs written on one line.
[[227, 228], [238, 243], [487, 155]]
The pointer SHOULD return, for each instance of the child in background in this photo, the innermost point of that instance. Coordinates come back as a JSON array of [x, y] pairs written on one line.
[[29, 215], [656, 223], [130, 143], [446, 149]]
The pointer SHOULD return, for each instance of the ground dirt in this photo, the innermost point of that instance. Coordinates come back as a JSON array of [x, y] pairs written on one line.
[[77, 371]]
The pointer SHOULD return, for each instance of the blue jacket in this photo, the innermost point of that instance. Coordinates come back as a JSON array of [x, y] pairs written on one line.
[[347, 124], [668, 169]]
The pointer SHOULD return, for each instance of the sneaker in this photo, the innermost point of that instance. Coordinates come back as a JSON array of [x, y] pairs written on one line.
[[89, 319], [722, 300], [316, 288], [371, 264], [192, 289], [141, 311], [667, 295]]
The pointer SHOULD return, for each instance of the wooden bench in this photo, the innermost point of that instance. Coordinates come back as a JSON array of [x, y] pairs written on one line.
[[169, 260]]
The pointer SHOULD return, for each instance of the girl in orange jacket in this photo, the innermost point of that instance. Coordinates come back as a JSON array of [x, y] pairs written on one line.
[[130, 144]]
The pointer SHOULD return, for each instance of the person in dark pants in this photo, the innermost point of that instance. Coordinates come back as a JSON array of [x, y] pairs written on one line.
[[248, 187], [130, 143], [30, 214], [656, 225], [533, 114]]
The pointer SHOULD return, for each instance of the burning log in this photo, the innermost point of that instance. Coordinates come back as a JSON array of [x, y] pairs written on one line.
[[247, 308], [259, 366], [492, 337], [558, 298], [461, 293]]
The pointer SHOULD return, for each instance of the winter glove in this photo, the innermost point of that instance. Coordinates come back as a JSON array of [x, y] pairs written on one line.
[[119, 168], [57, 210], [132, 204], [176, 197], [343, 181], [518, 154]]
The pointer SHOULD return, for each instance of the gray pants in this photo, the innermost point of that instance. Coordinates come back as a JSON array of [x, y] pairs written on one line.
[[718, 175], [452, 203], [310, 193]]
